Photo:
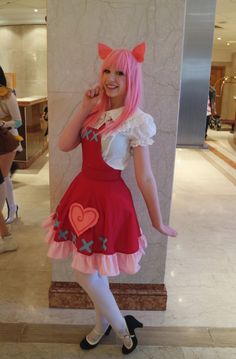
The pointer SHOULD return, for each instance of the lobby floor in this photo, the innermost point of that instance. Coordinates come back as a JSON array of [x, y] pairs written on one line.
[[72, 351], [200, 270]]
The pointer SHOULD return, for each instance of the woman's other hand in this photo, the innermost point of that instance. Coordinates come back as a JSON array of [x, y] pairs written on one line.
[[166, 230]]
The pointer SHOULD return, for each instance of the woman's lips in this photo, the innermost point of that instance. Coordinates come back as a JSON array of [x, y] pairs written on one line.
[[111, 87]]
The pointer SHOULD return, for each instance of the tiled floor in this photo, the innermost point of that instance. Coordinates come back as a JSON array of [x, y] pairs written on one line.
[[72, 351], [200, 271], [223, 141]]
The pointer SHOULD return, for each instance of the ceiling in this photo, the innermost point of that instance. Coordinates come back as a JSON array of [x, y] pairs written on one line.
[[16, 12], [13, 12], [226, 21]]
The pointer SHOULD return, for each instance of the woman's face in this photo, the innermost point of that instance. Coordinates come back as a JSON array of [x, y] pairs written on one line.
[[114, 84]]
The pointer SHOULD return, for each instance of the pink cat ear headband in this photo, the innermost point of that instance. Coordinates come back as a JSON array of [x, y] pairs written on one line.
[[138, 51]]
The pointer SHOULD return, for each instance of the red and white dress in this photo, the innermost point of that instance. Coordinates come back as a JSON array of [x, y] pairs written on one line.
[[96, 220]]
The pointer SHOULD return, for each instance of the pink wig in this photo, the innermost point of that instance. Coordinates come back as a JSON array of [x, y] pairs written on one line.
[[129, 62]]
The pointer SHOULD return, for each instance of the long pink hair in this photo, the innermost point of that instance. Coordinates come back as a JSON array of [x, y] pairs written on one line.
[[130, 64]]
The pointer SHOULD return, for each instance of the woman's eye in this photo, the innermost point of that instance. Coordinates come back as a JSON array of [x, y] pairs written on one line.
[[106, 71], [120, 73]]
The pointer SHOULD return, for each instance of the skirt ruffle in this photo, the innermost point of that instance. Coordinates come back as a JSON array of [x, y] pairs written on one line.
[[107, 265]]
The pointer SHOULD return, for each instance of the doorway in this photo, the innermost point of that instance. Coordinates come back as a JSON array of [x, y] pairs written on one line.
[[217, 73]]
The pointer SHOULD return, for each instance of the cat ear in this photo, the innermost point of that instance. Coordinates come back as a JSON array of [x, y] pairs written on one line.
[[103, 50], [138, 52]]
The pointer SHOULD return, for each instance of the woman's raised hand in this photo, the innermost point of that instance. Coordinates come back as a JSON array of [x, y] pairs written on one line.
[[91, 98]]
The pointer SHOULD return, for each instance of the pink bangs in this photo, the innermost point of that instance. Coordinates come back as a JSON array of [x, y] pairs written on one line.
[[124, 61]]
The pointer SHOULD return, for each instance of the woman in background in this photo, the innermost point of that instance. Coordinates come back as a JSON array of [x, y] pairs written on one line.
[[10, 118]]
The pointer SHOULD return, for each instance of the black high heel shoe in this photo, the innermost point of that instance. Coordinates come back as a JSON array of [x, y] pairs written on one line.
[[85, 345], [132, 323]]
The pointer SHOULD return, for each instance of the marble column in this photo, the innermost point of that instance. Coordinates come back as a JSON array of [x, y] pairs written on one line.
[[233, 95], [74, 30]]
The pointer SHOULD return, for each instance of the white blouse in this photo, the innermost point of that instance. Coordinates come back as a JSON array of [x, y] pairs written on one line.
[[9, 108], [136, 131]]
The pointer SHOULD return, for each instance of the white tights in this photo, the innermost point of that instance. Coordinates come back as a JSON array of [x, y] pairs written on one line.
[[9, 193], [2, 195], [6, 192], [107, 311]]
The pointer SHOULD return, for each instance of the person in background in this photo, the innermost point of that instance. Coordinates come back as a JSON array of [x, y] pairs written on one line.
[[9, 117], [211, 107], [7, 242], [45, 118]]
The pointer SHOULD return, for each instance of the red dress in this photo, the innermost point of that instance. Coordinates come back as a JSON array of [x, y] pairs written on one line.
[[96, 219]]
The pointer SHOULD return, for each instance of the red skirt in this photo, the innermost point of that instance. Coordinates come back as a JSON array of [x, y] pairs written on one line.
[[96, 219]]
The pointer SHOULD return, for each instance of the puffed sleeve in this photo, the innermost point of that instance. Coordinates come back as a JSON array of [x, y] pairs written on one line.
[[142, 130], [14, 111]]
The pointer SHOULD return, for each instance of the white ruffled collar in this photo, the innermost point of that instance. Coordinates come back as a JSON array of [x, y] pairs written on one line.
[[113, 114], [110, 115]]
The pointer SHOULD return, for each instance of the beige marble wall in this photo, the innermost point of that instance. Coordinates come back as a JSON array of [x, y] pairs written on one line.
[[24, 52], [233, 91], [228, 105], [73, 66]]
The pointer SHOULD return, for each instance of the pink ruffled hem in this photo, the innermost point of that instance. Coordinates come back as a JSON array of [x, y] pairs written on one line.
[[108, 265]]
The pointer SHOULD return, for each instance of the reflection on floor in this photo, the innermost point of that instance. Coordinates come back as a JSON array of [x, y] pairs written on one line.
[[201, 262], [221, 143]]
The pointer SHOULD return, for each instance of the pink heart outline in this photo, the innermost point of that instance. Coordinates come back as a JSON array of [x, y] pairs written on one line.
[[81, 218]]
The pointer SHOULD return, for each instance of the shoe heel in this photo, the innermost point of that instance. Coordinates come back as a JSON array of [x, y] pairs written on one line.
[[137, 323], [17, 209], [107, 332], [133, 322]]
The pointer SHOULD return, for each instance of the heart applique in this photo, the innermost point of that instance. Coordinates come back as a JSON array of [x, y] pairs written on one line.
[[82, 218]]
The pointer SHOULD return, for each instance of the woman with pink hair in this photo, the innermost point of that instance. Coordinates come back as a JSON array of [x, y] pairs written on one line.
[[96, 220]]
